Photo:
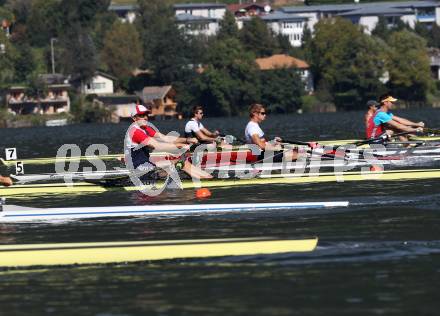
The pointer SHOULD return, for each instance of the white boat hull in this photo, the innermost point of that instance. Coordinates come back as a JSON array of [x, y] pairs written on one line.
[[12, 213]]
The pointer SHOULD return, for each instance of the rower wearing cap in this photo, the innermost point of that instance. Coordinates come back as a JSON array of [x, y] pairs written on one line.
[[142, 133], [195, 128], [255, 135], [383, 121]]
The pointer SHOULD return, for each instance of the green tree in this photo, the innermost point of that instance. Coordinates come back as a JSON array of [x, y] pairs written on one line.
[[7, 56], [230, 81], [257, 38], [79, 56], [435, 36], [24, 63], [228, 26], [347, 61], [154, 20], [282, 90], [81, 12], [37, 89], [408, 64], [43, 22], [122, 51], [381, 30]]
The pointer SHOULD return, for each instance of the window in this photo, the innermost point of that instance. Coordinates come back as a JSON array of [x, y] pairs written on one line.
[[98, 85]]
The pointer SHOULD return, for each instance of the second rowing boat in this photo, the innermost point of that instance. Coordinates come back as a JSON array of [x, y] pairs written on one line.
[[132, 251]]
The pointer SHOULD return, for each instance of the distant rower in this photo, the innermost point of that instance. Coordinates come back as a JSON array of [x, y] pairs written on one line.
[[255, 135], [383, 121], [372, 108], [195, 128], [142, 134]]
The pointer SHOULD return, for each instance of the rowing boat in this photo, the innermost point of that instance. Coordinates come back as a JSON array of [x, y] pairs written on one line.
[[221, 153], [283, 178], [132, 251], [12, 213]]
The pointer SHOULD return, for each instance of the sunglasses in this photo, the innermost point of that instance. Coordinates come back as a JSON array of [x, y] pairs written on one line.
[[262, 113], [142, 115]]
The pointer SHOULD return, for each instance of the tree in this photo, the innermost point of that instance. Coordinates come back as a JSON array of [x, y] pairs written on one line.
[[43, 22], [230, 81], [79, 56], [37, 89], [24, 63], [381, 30], [82, 12], [122, 51], [257, 38], [7, 56], [408, 64], [155, 19], [435, 36], [347, 61], [282, 90], [228, 26]]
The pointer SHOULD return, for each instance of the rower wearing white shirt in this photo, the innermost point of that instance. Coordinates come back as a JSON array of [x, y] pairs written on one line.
[[255, 135], [195, 128]]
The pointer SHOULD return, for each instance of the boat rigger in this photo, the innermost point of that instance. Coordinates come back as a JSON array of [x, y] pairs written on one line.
[[13, 213], [132, 251], [284, 178]]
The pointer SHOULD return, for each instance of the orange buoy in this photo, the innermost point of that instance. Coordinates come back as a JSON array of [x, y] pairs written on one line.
[[376, 168], [203, 193]]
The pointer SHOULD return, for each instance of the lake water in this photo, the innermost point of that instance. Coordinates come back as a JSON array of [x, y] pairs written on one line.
[[380, 256]]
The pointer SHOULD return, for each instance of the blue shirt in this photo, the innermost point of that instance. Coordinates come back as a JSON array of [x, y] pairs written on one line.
[[382, 118]]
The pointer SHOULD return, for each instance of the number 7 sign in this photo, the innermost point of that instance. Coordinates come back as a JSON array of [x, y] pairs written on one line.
[[11, 153]]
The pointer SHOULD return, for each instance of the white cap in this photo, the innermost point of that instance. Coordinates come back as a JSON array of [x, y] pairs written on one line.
[[140, 109]]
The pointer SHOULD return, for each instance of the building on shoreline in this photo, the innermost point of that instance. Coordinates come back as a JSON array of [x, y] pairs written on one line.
[[54, 100]]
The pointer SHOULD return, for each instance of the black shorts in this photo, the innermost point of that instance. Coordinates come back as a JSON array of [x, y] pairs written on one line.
[[276, 156]]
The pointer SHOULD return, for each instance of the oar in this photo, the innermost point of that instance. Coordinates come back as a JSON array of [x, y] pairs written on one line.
[[432, 131], [296, 142]]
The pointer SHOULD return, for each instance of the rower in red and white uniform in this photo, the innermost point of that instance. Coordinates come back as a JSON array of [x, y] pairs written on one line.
[[372, 108], [255, 135], [144, 134], [383, 121]]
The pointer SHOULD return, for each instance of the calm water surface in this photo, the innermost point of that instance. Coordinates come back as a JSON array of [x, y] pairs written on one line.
[[380, 256]]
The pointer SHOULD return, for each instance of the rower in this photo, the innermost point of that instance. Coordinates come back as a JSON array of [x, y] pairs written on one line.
[[142, 133], [372, 108], [5, 181], [255, 135], [383, 121], [195, 128]]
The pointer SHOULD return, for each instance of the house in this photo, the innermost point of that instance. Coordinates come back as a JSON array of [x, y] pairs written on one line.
[[55, 100], [126, 13], [285, 61], [120, 105], [100, 84], [249, 9], [367, 14], [290, 25], [162, 99], [199, 18], [369, 17], [434, 58], [198, 25]]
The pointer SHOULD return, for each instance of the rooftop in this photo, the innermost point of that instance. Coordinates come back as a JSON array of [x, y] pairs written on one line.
[[280, 61]]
